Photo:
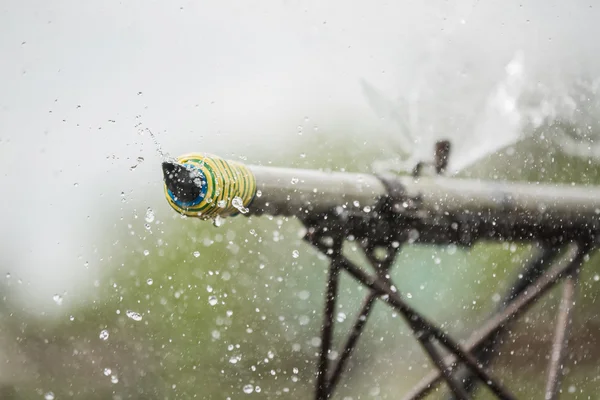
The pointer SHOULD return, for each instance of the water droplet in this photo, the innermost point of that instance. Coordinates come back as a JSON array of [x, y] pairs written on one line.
[[149, 281], [104, 334], [114, 379], [212, 300], [248, 389], [149, 215], [196, 254], [295, 254], [258, 193], [294, 181], [222, 203], [133, 315], [57, 299], [159, 149], [209, 288], [49, 396], [413, 235], [596, 277], [239, 204], [146, 252], [451, 249], [218, 221], [304, 295], [8, 275], [409, 295], [107, 371], [76, 184], [341, 317]]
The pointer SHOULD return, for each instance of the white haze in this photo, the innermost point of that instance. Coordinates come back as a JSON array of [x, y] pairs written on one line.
[[79, 79]]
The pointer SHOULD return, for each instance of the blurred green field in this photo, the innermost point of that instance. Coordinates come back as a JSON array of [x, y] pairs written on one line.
[[230, 312]]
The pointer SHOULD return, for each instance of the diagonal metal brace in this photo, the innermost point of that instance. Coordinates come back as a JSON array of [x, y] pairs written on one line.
[[574, 257], [422, 328]]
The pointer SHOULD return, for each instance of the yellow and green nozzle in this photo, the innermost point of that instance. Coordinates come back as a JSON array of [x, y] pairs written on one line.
[[205, 186]]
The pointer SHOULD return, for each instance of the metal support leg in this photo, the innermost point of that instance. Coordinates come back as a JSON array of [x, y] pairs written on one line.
[[572, 260], [381, 267], [322, 390], [413, 318], [486, 351], [561, 336]]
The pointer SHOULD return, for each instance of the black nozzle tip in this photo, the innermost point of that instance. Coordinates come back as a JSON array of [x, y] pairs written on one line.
[[181, 181]]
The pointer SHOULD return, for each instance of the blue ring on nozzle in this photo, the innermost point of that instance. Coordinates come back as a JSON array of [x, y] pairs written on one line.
[[201, 196]]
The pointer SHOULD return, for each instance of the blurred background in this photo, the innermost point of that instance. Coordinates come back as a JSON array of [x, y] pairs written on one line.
[[108, 294]]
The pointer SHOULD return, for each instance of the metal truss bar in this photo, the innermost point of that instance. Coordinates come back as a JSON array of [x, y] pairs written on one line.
[[437, 358], [573, 259], [322, 389], [381, 267], [352, 339], [561, 336], [486, 351], [414, 318], [419, 324]]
